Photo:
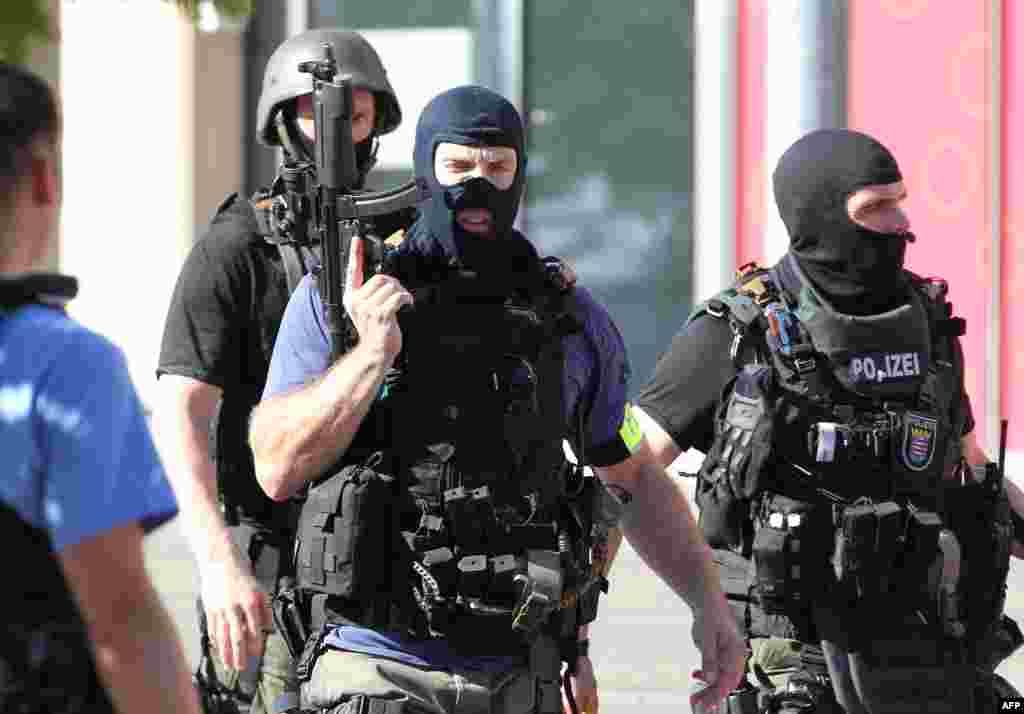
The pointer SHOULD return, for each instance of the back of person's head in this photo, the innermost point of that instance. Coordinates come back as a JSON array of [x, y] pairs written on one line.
[[29, 120]]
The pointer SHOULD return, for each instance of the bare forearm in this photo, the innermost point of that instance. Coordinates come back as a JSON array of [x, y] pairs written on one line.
[[142, 663], [660, 527], [182, 430], [296, 436]]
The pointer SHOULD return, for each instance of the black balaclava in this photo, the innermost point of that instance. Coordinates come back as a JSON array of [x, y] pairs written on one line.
[[472, 116], [859, 271]]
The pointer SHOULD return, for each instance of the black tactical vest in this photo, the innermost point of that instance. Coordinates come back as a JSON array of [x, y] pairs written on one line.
[[451, 499], [46, 660], [835, 486]]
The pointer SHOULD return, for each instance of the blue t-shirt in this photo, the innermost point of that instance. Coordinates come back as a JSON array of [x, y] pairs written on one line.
[[596, 380], [78, 458]]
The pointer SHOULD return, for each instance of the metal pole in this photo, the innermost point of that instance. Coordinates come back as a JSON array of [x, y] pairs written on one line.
[[805, 87], [994, 342], [714, 152], [296, 17]]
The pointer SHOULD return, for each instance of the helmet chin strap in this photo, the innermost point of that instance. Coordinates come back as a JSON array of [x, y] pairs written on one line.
[[299, 149], [296, 147], [366, 156]]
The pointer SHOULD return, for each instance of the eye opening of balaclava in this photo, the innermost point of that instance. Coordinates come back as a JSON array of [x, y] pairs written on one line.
[[858, 270], [477, 117]]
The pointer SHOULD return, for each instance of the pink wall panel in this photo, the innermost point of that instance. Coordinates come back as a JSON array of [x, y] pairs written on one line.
[[750, 131], [1013, 221], [919, 82]]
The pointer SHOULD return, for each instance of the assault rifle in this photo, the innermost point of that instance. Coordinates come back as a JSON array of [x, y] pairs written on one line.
[[338, 210]]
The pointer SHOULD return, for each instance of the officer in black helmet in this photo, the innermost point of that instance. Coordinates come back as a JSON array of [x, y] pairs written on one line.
[[284, 115], [862, 534], [220, 329]]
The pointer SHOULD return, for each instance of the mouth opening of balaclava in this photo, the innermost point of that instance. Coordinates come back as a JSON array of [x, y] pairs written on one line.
[[472, 116], [858, 270]]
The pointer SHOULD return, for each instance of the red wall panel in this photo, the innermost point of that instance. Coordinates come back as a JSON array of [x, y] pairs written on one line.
[[919, 75]]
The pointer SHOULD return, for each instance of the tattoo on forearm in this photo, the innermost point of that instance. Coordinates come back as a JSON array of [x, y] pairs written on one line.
[[619, 493]]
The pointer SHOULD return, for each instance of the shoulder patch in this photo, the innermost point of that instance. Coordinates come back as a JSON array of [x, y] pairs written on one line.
[[395, 239]]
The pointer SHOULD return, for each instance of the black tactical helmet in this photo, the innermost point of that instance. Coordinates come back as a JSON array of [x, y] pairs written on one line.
[[356, 58]]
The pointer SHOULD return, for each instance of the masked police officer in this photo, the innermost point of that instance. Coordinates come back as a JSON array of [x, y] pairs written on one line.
[[862, 534], [440, 534], [80, 480], [218, 337]]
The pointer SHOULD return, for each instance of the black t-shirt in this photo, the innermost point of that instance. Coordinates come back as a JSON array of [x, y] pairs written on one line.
[[221, 326], [686, 387], [226, 308], [688, 380]]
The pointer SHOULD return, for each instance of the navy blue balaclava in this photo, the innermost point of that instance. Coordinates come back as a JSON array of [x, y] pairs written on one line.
[[472, 116], [858, 270]]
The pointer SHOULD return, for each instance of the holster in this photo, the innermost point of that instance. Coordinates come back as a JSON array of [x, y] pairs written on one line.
[[291, 617], [545, 664], [311, 649], [979, 515]]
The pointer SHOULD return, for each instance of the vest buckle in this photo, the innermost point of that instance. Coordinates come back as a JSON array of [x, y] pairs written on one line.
[[804, 364]]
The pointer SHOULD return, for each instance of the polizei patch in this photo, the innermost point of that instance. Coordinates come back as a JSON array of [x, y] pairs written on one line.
[[919, 437], [885, 367]]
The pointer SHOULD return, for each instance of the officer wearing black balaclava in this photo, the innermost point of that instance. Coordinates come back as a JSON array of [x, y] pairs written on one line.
[[450, 571], [827, 394], [857, 269], [469, 151]]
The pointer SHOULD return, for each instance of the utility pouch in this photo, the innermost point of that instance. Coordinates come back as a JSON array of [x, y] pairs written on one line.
[[868, 540], [923, 528], [474, 575], [786, 547], [722, 515], [348, 535]]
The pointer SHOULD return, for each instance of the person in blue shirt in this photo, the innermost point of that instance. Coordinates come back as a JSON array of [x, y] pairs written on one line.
[[470, 152], [79, 466]]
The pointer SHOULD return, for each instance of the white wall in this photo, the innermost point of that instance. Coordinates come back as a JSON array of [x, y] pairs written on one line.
[[126, 74]]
